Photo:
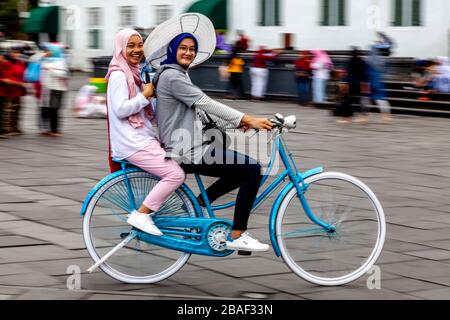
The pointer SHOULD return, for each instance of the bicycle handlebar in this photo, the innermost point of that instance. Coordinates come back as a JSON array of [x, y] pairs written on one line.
[[290, 122]]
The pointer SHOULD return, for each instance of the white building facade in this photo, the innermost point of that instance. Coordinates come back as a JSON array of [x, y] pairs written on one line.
[[89, 26], [420, 28]]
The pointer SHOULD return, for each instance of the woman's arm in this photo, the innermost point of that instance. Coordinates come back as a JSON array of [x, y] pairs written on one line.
[[13, 83], [224, 116], [183, 90], [227, 117], [120, 104]]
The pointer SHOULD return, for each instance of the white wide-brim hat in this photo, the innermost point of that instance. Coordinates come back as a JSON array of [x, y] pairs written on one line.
[[155, 46]]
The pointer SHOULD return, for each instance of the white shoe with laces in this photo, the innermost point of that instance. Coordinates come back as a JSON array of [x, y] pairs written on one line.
[[246, 243], [144, 222]]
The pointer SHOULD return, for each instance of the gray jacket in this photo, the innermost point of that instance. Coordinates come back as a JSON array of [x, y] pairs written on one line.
[[181, 106]]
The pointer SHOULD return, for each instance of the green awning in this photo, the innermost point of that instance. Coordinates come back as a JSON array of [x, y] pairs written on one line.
[[216, 10], [42, 20]]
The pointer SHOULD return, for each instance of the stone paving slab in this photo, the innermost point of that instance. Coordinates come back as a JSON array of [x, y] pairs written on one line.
[[16, 241], [433, 254], [43, 183], [435, 294], [246, 267], [357, 294], [60, 237], [33, 253]]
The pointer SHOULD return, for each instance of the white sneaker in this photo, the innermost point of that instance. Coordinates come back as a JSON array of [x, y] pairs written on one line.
[[143, 222], [246, 243]]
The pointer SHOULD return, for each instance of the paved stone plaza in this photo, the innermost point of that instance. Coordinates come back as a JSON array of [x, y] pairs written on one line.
[[43, 182]]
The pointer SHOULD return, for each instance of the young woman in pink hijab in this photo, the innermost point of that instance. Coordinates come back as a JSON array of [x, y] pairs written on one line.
[[321, 66], [131, 133]]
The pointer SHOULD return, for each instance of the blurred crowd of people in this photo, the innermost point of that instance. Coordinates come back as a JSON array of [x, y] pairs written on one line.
[[45, 74], [353, 87], [432, 75], [233, 68]]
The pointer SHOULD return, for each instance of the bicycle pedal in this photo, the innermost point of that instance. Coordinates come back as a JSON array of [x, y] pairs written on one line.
[[244, 253]]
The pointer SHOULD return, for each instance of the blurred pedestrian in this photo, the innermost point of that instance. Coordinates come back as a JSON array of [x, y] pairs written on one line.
[[4, 66], [341, 97], [384, 44], [376, 69], [321, 65], [221, 45], [358, 81], [303, 74], [441, 80], [14, 90], [33, 75], [259, 71], [55, 83], [236, 69], [243, 42]]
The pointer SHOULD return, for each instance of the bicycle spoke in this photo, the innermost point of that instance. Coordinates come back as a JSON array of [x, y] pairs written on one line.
[[330, 257], [105, 226]]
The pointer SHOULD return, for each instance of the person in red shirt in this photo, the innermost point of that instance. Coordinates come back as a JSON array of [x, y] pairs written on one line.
[[303, 74], [259, 71], [14, 89], [4, 67], [243, 42]]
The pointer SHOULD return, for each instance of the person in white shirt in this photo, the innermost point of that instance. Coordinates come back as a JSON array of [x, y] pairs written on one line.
[[55, 83], [132, 136], [321, 66]]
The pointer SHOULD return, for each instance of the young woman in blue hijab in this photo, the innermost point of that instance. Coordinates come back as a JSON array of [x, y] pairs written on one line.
[[183, 110]]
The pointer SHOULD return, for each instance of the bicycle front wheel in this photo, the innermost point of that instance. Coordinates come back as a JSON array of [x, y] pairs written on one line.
[[105, 226], [331, 258]]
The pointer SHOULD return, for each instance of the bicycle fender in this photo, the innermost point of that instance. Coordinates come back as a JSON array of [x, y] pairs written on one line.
[[100, 184], [277, 203], [120, 172]]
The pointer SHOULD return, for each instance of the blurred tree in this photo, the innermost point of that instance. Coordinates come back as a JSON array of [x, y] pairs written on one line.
[[9, 17]]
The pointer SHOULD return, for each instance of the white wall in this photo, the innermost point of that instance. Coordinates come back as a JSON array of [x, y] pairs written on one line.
[[145, 18], [302, 18]]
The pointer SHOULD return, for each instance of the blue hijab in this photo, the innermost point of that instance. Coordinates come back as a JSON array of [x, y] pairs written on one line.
[[173, 47]]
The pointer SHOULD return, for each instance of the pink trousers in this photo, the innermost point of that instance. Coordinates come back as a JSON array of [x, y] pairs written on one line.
[[152, 160]]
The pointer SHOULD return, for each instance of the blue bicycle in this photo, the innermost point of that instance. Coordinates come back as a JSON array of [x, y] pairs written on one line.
[[328, 227]]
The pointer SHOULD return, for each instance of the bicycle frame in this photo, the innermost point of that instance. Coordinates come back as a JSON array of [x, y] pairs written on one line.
[[297, 180]]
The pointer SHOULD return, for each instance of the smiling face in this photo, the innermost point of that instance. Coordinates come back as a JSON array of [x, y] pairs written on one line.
[[186, 52], [135, 50]]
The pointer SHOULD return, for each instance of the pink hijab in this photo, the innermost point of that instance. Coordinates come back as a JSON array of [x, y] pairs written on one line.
[[322, 56], [119, 63]]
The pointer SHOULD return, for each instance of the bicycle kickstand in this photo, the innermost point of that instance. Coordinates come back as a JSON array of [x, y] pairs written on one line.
[[122, 244]]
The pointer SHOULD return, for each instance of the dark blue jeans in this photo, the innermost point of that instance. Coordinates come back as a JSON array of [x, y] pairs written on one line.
[[2, 108], [304, 90], [235, 170]]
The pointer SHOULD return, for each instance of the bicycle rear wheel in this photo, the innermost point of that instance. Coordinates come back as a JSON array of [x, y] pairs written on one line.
[[331, 258], [105, 226]]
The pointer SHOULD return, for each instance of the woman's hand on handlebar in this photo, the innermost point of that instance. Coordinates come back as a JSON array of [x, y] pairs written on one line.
[[256, 123]]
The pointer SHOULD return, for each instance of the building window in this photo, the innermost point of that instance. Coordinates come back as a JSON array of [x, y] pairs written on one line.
[[127, 16], [69, 19], [270, 12], [407, 13], [162, 13], [334, 13], [95, 23]]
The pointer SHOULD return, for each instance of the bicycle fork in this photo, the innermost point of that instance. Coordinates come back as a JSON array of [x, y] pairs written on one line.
[[301, 189]]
